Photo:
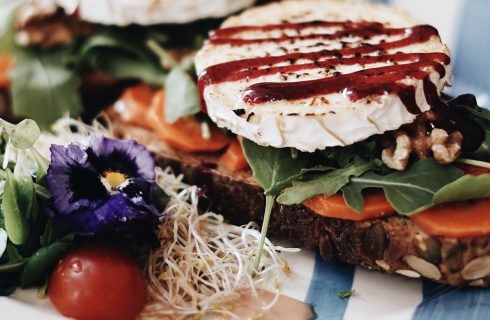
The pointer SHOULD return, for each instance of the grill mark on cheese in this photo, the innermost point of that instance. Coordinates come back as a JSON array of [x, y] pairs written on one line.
[[356, 85], [231, 31], [365, 31]]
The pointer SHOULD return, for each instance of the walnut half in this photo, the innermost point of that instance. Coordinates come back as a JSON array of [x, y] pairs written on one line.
[[445, 148], [397, 157]]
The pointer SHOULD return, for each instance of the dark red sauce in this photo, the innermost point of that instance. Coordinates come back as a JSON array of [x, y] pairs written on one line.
[[444, 117], [366, 31], [229, 32], [357, 85]]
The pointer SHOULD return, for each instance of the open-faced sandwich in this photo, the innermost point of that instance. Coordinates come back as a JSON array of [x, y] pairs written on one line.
[[337, 108], [74, 54]]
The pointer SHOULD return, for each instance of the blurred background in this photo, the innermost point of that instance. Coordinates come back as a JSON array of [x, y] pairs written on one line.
[[464, 25]]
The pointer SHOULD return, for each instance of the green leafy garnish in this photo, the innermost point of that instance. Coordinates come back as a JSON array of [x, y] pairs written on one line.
[[302, 175], [346, 293], [182, 98], [16, 222], [44, 260], [408, 191], [465, 188], [123, 54], [44, 87], [327, 184], [271, 167], [482, 118]]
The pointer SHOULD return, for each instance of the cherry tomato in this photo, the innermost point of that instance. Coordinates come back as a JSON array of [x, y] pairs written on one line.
[[98, 283]]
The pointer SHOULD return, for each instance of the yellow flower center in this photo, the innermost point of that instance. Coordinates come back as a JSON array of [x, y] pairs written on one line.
[[114, 178]]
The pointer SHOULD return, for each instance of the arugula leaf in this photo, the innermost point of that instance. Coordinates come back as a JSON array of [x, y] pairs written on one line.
[[465, 188], [123, 54], [303, 174], [344, 156], [481, 116], [272, 167], [476, 112], [409, 191], [483, 152], [327, 184], [43, 87], [346, 293], [184, 97]]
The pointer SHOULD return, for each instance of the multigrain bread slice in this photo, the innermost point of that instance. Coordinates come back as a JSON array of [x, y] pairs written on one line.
[[392, 244]]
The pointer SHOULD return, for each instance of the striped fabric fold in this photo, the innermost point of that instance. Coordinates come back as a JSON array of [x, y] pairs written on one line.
[[381, 296]]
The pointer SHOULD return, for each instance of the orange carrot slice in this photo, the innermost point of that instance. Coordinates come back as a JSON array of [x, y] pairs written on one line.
[[457, 220], [186, 133], [233, 158], [134, 104], [376, 206]]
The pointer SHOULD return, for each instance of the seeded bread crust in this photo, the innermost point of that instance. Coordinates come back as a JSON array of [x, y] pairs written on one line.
[[392, 244]]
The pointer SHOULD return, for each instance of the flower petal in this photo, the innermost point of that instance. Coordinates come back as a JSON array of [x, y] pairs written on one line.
[[116, 212], [72, 181], [137, 191], [125, 156]]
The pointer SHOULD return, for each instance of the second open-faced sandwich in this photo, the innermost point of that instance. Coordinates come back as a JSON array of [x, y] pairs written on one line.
[[354, 150], [75, 56]]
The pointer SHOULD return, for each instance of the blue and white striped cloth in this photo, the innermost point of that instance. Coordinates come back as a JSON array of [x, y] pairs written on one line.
[[378, 296]]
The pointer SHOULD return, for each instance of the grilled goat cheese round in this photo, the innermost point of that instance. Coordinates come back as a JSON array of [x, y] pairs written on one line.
[[147, 12], [316, 74]]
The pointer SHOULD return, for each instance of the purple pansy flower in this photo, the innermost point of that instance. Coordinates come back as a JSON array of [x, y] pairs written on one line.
[[100, 187]]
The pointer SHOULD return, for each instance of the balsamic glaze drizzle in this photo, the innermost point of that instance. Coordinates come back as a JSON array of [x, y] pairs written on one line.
[[356, 85]]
